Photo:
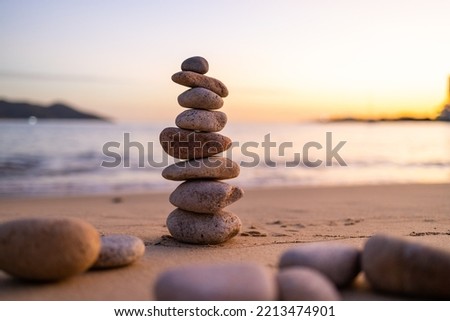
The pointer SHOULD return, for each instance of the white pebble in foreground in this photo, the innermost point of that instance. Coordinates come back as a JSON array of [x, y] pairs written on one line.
[[305, 284], [399, 266], [119, 250], [220, 282], [47, 249], [339, 262]]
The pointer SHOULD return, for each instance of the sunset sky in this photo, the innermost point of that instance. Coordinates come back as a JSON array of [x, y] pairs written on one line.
[[281, 60]]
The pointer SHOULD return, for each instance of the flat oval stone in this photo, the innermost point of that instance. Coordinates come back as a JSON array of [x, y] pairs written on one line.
[[187, 144], [205, 196], [47, 249], [339, 262], [196, 64], [209, 167], [201, 98], [202, 120], [119, 250], [196, 228], [305, 284], [218, 282], [399, 266], [193, 79]]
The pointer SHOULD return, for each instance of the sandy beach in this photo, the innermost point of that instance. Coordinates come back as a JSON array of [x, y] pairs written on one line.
[[274, 219]]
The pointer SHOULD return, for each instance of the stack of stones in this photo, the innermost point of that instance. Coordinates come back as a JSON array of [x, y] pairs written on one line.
[[199, 217]]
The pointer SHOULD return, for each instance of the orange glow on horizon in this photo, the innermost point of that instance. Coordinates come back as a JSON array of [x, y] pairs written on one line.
[[314, 60]]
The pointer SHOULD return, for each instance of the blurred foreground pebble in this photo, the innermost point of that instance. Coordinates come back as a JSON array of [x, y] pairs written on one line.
[[47, 248], [339, 262], [305, 284], [217, 282], [399, 266]]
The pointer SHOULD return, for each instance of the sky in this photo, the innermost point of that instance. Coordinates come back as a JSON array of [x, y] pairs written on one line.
[[281, 60]]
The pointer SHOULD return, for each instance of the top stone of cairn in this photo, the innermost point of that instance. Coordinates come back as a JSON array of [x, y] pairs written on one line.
[[196, 64]]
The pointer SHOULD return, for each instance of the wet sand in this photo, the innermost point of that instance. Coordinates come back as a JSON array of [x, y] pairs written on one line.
[[274, 219]]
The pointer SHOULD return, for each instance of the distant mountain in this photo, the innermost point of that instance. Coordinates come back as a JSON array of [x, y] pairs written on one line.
[[376, 120], [17, 110]]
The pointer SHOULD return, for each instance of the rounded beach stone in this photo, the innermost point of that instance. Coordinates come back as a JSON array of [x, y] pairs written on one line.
[[202, 120], [119, 250], [339, 262], [196, 228], [187, 144], [219, 282], [193, 79], [305, 284], [47, 249], [196, 64], [205, 196], [201, 98], [399, 266], [209, 167]]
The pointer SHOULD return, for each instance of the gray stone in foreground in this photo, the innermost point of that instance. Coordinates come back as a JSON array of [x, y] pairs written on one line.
[[205, 196], [201, 98], [47, 249], [196, 64], [210, 167], [119, 250], [305, 284], [192, 79], [219, 282], [399, 266], [339, 262], [187, 144], [196, 228], [202, 120]]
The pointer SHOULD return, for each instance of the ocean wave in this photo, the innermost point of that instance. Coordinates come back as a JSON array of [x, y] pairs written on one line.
[[67, 160], [19, 164]]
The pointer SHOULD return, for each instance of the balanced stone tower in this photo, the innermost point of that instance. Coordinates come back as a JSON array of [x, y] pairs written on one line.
[[199, 217]]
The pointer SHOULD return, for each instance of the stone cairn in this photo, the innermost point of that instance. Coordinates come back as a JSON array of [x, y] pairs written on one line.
[[199, 217]]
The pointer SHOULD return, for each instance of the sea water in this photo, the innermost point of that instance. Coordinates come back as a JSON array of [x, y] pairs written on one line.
[[59, 158]]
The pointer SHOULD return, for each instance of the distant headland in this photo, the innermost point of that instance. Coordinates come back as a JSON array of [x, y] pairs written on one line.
[[443, 116], [25, 110]]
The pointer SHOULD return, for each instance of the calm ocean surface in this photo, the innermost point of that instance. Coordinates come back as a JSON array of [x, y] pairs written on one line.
[[65, 158]]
